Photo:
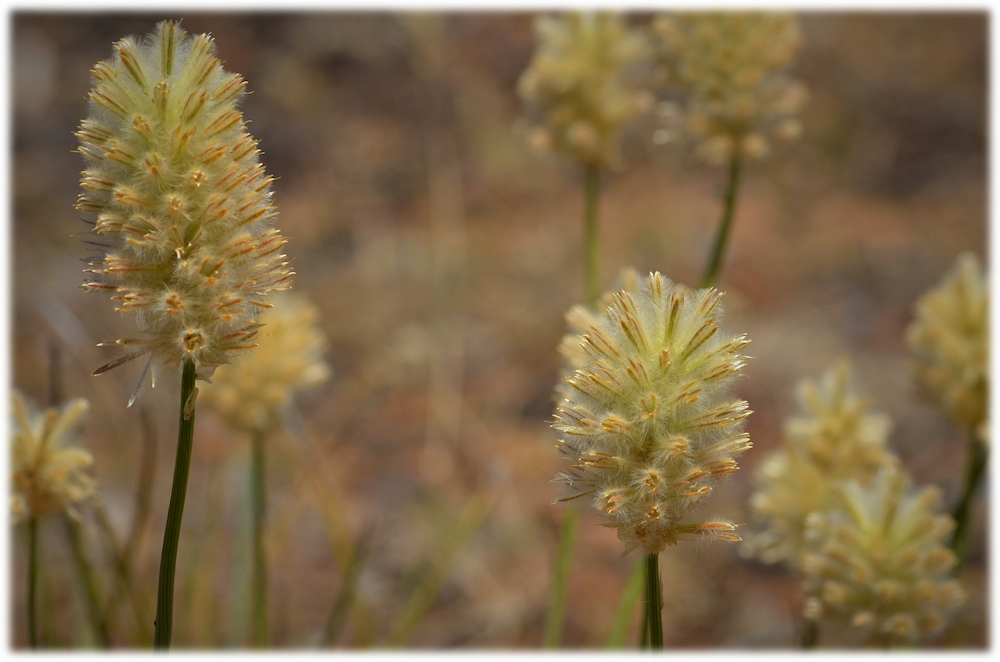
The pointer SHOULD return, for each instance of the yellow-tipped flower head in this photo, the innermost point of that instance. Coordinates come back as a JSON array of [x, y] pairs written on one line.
[[728, 67], [579, 79], [649, 425], [877, 563], [950, 339], [288, 359], [47, 477], [179, 201], [835, 437]]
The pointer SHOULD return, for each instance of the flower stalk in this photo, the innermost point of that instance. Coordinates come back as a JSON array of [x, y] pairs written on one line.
[[714, 266], [976, 465], [654, 602], [175, 512], [591, 237], [32, 580]]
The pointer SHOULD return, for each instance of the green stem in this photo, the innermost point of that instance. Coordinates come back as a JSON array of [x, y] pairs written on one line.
[[976, 465], [654, 601], [89, 582], [725, 224], [591, 237], [259, 499], [810, 634], [32, 580], [556, 614], [175, 512]]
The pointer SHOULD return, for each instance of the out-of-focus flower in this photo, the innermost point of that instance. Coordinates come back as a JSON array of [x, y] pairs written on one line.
[[727, 66], [650, 426], [288, 359], [47, 477], [179, 201], [834, 438], [579, 80], [950, 340], [876, 562]]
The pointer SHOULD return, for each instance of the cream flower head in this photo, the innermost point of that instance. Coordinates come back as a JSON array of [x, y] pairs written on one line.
[[877, 562], [47, 477], [288, 359], [834, 437], [650, 427], [578, 78], [727, 66], [179, 202], [950, 340]]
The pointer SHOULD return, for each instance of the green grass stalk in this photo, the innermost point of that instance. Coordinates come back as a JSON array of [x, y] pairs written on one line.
[[88, 580], [259, 629], [626, 607], [175, 512], [556, 614]]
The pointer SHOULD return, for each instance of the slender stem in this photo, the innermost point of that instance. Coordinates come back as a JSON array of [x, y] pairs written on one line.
[[168, 557], [259, 499], [810, 634], [32, 580], [591, 237], [976, 464], [89, 582], [654, 600], [725, 224], [556, 614]]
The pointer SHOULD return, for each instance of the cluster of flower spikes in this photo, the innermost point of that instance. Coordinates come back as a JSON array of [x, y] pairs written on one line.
[[835, 437], [47, 476], [649, 426], [251, 393], [179, 201], [876, 563], [579, 79], [581, 317], [950, 339], [728, 66]]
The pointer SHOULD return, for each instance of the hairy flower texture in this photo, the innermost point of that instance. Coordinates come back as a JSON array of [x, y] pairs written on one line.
[[877, 563], [649, 426], [47, 477], [579, 80], [835, 437], [288, 359], [728, 67], [950, 339], [179, 201], [579, 318]]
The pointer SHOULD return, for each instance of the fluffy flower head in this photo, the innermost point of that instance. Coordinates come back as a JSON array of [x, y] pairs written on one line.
[[579, 79], [47, 476], [288, 359], [950, 340], [649, 425], [877, 563], [179, 201], [728, 67], [834, 437]]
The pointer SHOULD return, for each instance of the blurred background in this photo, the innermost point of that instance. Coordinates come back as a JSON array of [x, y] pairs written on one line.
[[442, 253]]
